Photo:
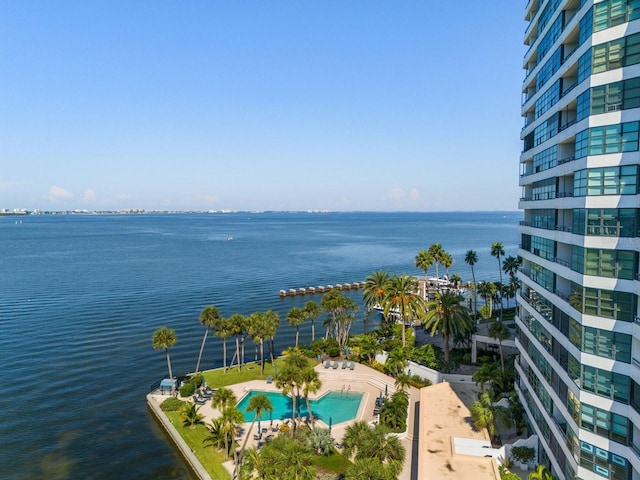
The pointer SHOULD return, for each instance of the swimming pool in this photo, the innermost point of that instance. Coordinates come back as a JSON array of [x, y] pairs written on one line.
[[337, 406]]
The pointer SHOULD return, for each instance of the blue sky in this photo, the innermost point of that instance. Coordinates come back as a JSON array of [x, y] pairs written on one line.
[[261, 105]]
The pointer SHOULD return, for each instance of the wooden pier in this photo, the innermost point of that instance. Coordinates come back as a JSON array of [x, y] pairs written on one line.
[[292, 292]]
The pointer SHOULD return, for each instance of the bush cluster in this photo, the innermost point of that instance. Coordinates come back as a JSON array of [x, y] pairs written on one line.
[[171, 404], [188, 388]]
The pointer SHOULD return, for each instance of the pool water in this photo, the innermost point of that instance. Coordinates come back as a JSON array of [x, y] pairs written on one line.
[[337, 406]]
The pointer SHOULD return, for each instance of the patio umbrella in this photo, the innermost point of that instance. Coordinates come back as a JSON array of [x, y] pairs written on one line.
[[386, 390]]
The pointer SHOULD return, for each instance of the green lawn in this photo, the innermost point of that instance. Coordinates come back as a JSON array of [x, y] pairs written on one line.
[[210, 458], [334, 463], [251, 371]]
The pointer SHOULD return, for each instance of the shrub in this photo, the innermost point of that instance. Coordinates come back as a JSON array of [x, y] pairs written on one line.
[[378, 366], [419, 382], [171, 405], [523, 454], [333, 351], [318, 346], [187, 389], [393, 413]]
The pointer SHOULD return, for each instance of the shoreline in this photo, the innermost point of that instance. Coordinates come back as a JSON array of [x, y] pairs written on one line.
[[196, 467]]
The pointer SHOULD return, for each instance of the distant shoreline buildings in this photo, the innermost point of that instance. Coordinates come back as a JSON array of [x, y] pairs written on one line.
[[139, 211]]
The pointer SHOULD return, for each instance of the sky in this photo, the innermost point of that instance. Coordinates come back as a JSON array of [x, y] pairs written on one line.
[[343, 105]]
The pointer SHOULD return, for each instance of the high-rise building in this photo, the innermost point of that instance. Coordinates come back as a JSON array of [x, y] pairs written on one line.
[[578, 371]]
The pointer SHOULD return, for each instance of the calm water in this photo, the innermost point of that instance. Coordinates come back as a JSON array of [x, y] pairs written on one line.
[[80, 297]]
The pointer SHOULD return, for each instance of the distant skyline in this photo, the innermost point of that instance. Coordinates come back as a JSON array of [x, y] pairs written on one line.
[[253, 106]]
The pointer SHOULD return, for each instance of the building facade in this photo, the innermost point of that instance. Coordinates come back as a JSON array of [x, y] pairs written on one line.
[[578, 371]]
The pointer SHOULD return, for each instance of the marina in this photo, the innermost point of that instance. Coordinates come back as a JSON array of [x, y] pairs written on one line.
[[292, 292]]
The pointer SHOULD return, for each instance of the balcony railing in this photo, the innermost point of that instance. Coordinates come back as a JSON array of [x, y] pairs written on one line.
[[546, 196], [566, 160], [568, 89], [566, 125], [564, 263]]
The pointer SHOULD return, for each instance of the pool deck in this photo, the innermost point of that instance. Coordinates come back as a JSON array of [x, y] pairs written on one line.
[[363, 379]]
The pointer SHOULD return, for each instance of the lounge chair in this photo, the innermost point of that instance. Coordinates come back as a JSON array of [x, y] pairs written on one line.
[[327, 364], [198, 401], [335, 364], [352, 365], [344, 364], [269, 379]]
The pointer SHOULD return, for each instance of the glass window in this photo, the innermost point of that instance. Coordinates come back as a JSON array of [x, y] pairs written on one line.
[[606, 181], [598, 100], [582, 144]]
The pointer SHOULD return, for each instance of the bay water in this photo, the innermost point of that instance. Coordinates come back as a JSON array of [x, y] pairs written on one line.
[[81, 295]]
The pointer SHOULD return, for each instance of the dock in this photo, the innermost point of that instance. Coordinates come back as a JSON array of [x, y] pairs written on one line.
[[292, 292]]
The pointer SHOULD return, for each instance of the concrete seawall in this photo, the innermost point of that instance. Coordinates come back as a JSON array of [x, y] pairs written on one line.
[[195, 464]]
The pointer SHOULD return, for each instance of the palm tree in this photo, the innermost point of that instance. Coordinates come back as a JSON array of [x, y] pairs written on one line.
[[215, 438], [403, 382], [221, 330], [163, 339], [191, 416], [354, 436], [369, 347], [424, 261], [497, 250], [236, 323], [368, 469], [272, 320], [223, 398], [373, 443], [447, 261], [208, 318], [510, 266], [488, 372], [230, 420], [397, 360], [500, 332], [485, 414], [471, 258], [375, 289], [320, 440], [437, 253], [455, 279], [312, 311], [540, 473], [311, 383], [386, 448], [254, 463], [288, 380], [487, 290], [402, 297], [259, 331], [289, 459], [258, 404], [447, 314], [295, 318], [482, 413]]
